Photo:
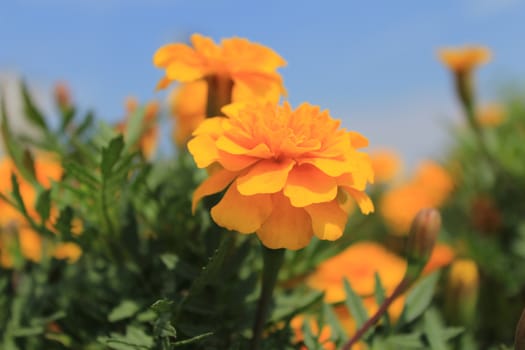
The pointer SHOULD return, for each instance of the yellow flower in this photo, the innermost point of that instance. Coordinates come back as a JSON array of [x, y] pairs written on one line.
[[288, 173], [464, 59], [491, 115], [429, 188], [252, 67], [188, 106], [67, 251], [386, 164]]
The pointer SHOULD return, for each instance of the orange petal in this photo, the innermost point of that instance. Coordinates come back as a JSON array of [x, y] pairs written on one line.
[[203, 150], [363, 201], [357, 140], [235, 162], [328, 220], [213, 184], [242, 213], [184, 72], [226, 144], [287, 226], [306, 185], [329, 166], [168, 53], [163, 83], [267, 176]]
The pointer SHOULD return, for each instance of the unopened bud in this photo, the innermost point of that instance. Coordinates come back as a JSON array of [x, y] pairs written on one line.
[[421, 240], [519, 338], [62, 95], [462, 292]]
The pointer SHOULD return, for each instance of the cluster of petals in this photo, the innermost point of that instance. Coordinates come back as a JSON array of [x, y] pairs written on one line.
[[288, 174], [251, 66], [464, 59]]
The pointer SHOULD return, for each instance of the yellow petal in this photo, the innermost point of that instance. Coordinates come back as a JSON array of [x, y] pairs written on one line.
[[203, 150], [69, 251], [226, 144], [213, 184], [267, 176], [235, 162], [287, 226], [307, 185], [328, 220], [244, 214]]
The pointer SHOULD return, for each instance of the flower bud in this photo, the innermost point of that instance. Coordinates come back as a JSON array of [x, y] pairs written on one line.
[[519, 337], [421, 240], [462, 292], [62, 95]]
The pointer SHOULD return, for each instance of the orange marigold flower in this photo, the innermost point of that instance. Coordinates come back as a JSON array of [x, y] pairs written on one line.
[[67, 251], [464, 59], [358, 264], [441, 256], [188, 106], [288, 173], [386, 164], [429, 188], [252, 67], [491, 115]]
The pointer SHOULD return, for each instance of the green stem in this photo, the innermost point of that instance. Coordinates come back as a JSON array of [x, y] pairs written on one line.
[[272, 260]]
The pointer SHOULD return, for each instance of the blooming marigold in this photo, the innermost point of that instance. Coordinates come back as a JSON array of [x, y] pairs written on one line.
[[386, 164], [464, 59], [288, 173], [252, 67]]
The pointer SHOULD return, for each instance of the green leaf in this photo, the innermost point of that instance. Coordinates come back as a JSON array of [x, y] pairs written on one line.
[[355, 305], [162, 306], [111, 154], [193, 339], [419, 298], [43, 204], [170, 260], [134, 339], [67, 117], [135, 126], [380, 296], [434, 330], [31, 112], [337, 331], [125, 309]]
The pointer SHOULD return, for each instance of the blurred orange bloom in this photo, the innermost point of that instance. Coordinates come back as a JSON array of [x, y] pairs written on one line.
[[441, 256], [188, 106], [491, 115], [149, 137], [429, 188], [386, 164], [464, 59], [288, 173], [252, 67]]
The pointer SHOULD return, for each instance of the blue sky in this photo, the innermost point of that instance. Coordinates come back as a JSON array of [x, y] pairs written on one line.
[[372, 63]]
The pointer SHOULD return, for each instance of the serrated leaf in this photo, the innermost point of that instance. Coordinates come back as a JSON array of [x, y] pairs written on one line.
[[380, 296], [162, 306], [170, 260], [43, 204], [111, 154], [419, 298], [355, 305], [31, 111], [434, 330], [337, 330], [405, 341], [125, 309], [87, 122], [67, 117], [135, 126]]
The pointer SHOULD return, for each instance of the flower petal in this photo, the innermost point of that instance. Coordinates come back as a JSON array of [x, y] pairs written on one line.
[[203, 150], [235, 162], [328, 220], [168, 53], [226, 144], [267, 176], [242, 213], [183, 71], [307, 185], [329, 166], [362, 199], [213, 184], [286, 227], [357, 140]]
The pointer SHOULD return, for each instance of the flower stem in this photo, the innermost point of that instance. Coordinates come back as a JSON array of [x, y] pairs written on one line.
[[220, 91], [400, 289], [272, 261]]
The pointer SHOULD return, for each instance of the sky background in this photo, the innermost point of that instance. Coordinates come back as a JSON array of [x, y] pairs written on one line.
[[371, 63]]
